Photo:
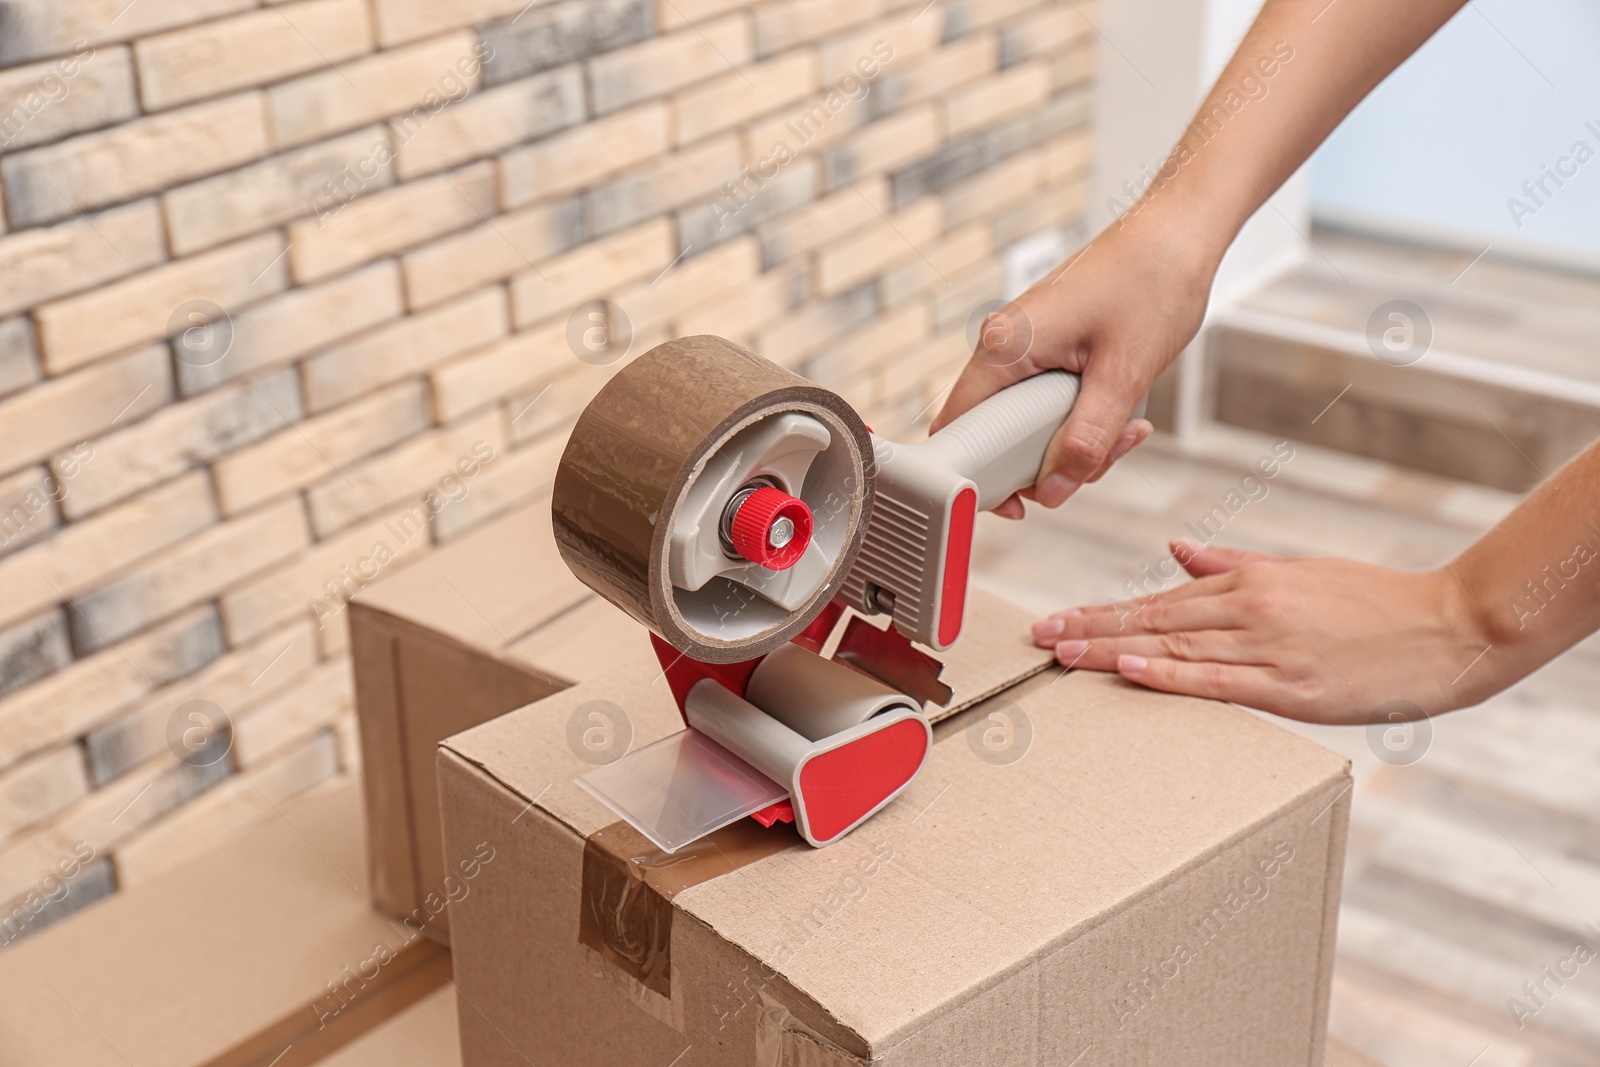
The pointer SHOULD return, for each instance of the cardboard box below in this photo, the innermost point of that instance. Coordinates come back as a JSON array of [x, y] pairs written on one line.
[[486, 624], [1081, 864], [423, 1035], [265, 950]]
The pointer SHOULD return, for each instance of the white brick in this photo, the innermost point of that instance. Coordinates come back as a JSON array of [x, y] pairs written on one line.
[[249, 50], [311, 705], [309, 181], [992, 100], [200, 568], [133, 159], [847, 211], [521, 361], [39, 787], [555, 406], [745, 309], [896, 239], [390, 221], [48, 27], [178, 438], [592, 270], [306, 453], [19, 362], [742, 95], [491, 252], [75, 407], [377, 87], [666, 183], [406, 20], [581, 157], [83, 90], [404, 472], [299, 322], [515, 477], [781, 26], [84, 554], [491, 121], [65, 705], [408, 347], [908, 37], [79, 329], [656, 67], [28, 507], [346, 563], [659, 301], [42, 264], [236, 682]]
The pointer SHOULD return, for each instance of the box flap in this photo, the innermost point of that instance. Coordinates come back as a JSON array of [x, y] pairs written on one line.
[[527, 750], [488, 589]]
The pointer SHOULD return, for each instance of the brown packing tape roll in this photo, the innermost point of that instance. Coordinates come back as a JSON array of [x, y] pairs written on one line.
[[628, 886], [632, 456]]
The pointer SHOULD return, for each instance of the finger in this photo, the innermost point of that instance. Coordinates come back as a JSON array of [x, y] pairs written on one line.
[[1209, 586], [1105, 400], [1134, 434], [992, 367], [1251, 686], [1192, 646], [1010, 507], [1213, 612], [1202, 560]]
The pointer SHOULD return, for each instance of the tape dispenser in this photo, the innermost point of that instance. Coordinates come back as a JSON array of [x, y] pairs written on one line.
[[737, 511]]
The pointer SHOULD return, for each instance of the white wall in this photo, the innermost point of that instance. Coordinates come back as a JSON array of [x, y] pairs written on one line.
[[1457, 130]]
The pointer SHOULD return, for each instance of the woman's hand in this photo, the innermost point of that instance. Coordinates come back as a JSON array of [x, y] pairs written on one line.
[[1321, 640], [1118, 313]]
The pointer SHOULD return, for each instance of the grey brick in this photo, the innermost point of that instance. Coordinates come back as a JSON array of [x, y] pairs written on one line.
[[950, 163], [33, 649], [27, 507], [678, 180], [962, 158], [552, 34], [122, 744], [95, 881], [742, 205], [183, 436], [19, 363], [188, 647]]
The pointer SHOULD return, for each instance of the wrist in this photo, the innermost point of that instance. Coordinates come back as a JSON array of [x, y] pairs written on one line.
[[1473, 627], [1185, 231]]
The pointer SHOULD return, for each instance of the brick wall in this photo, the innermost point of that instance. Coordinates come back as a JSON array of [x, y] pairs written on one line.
[[291, 293]]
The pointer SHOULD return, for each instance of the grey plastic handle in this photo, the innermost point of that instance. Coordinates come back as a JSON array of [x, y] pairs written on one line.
[[1000, 444]]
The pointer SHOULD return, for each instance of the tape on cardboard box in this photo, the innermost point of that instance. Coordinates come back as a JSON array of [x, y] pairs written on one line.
[[628, 886]]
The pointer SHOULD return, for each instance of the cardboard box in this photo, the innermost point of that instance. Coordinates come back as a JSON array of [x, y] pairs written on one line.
[[487, 624], [264, 951], [1082, 865], [424, 1035]]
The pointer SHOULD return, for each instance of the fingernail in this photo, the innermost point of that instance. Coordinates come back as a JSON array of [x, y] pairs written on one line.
[[1131, 664], [1048, 629], [1069, 652], [1055, 489], [1067, 612], [1186, 548]]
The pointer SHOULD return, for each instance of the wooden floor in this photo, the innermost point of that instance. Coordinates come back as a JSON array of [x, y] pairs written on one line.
[[1470, 870]]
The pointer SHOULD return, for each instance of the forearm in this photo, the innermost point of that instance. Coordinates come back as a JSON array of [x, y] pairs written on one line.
[[1531, 585], [1301, 68]]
